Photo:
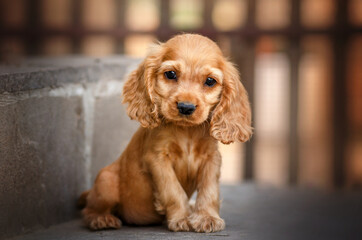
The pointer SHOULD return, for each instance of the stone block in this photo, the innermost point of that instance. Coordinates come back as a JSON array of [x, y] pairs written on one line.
[[113, 129], [41, 162], [61, 120]]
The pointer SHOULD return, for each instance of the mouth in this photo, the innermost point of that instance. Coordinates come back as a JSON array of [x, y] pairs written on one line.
[[185, 121]]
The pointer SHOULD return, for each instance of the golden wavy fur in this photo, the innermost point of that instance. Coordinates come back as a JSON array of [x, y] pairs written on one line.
[[174, 152]]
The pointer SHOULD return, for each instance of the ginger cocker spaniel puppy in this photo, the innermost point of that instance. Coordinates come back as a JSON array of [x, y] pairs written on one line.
[[186, 96]]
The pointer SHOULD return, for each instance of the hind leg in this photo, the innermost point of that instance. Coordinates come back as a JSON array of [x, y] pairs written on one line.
[[101, 200]]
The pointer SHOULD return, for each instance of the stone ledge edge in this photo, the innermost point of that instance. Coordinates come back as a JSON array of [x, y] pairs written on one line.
[[54, 73]]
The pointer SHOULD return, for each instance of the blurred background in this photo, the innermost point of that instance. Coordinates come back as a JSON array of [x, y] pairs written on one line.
[[301, 62]]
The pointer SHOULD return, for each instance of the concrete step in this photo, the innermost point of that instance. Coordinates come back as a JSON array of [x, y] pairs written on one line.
[[61, 120], [250, 212]]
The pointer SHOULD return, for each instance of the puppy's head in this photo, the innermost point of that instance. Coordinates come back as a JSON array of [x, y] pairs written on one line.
[[187, 81]]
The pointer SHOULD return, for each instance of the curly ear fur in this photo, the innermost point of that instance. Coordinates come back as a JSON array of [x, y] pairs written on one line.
[[138, 91], [231, 119]]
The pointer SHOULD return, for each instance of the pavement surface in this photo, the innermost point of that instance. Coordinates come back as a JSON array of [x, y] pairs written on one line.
[[250, 212]]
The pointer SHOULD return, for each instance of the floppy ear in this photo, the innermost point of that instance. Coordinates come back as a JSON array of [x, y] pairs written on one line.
[[138, 91], [231, 119]]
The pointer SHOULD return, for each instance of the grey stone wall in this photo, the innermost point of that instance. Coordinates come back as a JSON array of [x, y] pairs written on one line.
[[61, 120]]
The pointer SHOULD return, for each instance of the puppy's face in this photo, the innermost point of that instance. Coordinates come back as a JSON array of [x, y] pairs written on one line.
[[189, 80]]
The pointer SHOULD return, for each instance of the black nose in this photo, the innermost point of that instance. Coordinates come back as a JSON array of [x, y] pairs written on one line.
[[186, 108]]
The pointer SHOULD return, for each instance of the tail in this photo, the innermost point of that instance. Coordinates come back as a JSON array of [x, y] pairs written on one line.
[[82, 200]]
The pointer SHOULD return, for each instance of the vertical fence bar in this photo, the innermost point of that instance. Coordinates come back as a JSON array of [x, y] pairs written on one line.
[[339, 92], [2, 27], [249, 84], [208, 25], [2, 18], [294, 79], [33, 39], [120, 9], [76, 27], [164, 28]]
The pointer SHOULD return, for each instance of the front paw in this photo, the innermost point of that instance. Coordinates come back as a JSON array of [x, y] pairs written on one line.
[[206, 223], [105, 221], [179, 225]]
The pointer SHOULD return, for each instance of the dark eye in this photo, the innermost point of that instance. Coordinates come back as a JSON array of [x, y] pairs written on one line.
[[171, 75], [210, 82]]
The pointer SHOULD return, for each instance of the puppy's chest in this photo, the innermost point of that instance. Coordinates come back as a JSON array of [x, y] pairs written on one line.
[[188, 155]]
